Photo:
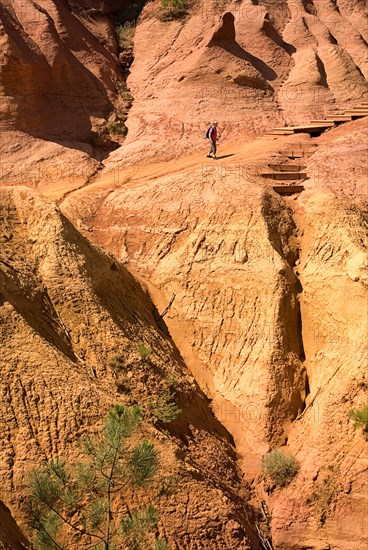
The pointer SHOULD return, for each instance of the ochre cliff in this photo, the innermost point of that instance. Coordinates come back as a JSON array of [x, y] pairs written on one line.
[[269, 309], [57, 78], [253, 65], [66, 310], [266, 327]]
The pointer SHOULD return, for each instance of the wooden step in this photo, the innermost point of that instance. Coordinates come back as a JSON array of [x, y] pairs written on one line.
[[336, 118], [310, 125], [301, 146], [298, 153], [293, 154], [321, 122], [354, 113], [281, 132], [272, 175], [286, 167], [288, 189], [313, 129]]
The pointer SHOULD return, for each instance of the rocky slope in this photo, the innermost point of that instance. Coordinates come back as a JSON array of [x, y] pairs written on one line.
[[267, 295], [261, 313], [253, 65], [59, 75], [66, 310]]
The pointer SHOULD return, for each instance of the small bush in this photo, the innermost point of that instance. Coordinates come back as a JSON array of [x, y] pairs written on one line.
[[116, 362], [66, 501], [117, 128], [125, 35], [165, 408], [326, 491], [173, 9], [360, 418], [172, 381], [144, 352], [280, 467]]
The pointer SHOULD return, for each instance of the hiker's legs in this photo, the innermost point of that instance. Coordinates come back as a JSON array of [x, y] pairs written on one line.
[[212, 148]]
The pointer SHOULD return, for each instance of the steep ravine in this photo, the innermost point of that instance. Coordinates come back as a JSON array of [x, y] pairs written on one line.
[[55, 391], [332, 455], [259, 284], [283, 234], [269, 312]]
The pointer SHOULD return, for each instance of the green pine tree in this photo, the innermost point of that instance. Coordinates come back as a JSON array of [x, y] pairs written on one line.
[[80, 499]]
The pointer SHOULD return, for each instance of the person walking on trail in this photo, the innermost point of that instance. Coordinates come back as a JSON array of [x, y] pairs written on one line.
[[213, 137]]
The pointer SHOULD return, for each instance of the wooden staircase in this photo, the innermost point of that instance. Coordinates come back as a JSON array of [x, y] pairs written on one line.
[[290, 176], [315, 127]]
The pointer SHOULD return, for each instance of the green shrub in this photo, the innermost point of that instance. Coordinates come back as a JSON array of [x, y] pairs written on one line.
[[165, 407], [280, 467], [125, 35], [173, 9], [116, 362], [144, 352], [360, 417], [117, 128], [172, 381]]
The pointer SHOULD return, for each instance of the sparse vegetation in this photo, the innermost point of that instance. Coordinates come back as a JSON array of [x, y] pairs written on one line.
[[116, 362], [121, 88], [144, 352], [78, 501], [280, 467], [327, 489], [165, 408], [161, 544], [137, 524], [117, 128], [172, 381], [360, 418], [173, 9], [125, 35]]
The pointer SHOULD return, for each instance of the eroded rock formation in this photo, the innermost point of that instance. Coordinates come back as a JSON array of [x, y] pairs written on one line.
[[269, 294], [269, 309], [66, 310]]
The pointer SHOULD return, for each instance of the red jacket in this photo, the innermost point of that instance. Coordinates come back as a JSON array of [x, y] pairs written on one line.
[[213, 133]]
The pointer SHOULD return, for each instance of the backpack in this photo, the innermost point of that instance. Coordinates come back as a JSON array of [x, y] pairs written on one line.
[[208, 133]]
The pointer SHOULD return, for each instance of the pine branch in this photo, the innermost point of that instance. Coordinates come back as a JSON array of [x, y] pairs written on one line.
[[65, 520], [45, 530]]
